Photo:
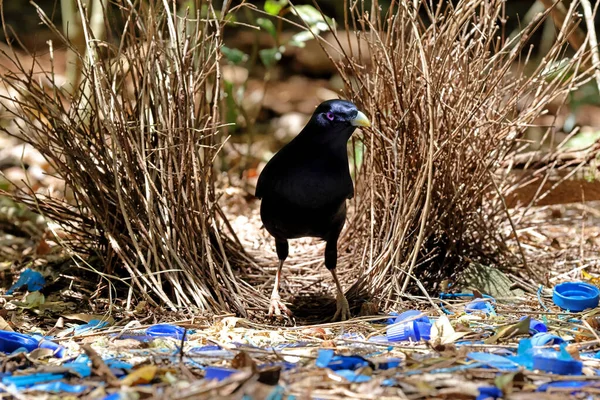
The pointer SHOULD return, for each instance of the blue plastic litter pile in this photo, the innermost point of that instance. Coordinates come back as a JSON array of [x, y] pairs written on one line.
[[469, 344]]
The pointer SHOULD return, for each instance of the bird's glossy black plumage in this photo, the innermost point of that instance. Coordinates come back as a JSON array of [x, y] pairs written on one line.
[[304, 187]]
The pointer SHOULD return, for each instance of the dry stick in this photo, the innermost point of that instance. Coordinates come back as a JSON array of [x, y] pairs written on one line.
[[429, 167], [593, 40]]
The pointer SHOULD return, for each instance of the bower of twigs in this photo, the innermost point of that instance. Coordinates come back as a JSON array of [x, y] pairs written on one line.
[[136, 141], [448, 112]]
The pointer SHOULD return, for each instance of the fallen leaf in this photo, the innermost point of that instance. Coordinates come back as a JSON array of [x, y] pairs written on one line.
[[509, 331], [442, 332], [32, 300], [140, 376]]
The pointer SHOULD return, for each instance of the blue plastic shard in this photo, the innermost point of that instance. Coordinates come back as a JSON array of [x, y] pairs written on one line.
[[166, 330], [210, 351], [479, 306], [575, 385], [23, 381], [352, 376], [324, 357], [218, 373], [113, 396], [494, 361], [82, 369], [30, 278], [328, 359], [58, 387], [489, 393], [90, 326]]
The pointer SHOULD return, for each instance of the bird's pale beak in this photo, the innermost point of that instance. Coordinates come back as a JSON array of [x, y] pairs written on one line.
[[360, 120]]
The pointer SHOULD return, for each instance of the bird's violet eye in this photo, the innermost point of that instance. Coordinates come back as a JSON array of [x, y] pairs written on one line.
[[329, 116]]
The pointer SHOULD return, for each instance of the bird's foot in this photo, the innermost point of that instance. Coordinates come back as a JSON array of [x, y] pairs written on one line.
[[278, 309], [342, 312]]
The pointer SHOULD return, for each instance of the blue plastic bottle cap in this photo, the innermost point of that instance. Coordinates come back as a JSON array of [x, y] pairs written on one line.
[[10, 341], [166, 330], [218, 373], [424, 329], [535, 326], [576, 296], [545, 338], [549, 362], [403, 331], [411, 314]]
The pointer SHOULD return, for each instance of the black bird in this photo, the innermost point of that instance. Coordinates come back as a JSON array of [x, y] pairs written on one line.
[[304, 188]]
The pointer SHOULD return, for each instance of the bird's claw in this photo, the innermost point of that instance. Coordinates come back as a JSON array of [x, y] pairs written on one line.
[[342, 312], [277, 308]]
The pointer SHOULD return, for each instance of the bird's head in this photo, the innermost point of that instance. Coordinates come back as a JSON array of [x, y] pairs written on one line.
[[336, 120]]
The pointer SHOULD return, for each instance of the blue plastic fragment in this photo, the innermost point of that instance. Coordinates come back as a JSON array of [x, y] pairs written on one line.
[[139, 338], [393, 317], [535, 326], [494, 361], [544, 339], [347, 362], [218, 373], [117, 364], [210, 351], [524, 355], [324, 356], [113, 396], [576, 296], [58, 387], [557, 362], [488, 393], [575, 385], [327, 359], [166, 330], [479, 306], [411, 314], [90, 326], [79, 368], [30, 278], [23, 381], [378, 339], [352, 376]]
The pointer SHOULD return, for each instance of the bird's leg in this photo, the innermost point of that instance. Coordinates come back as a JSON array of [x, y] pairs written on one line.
[[342, 312], [277, 307]]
